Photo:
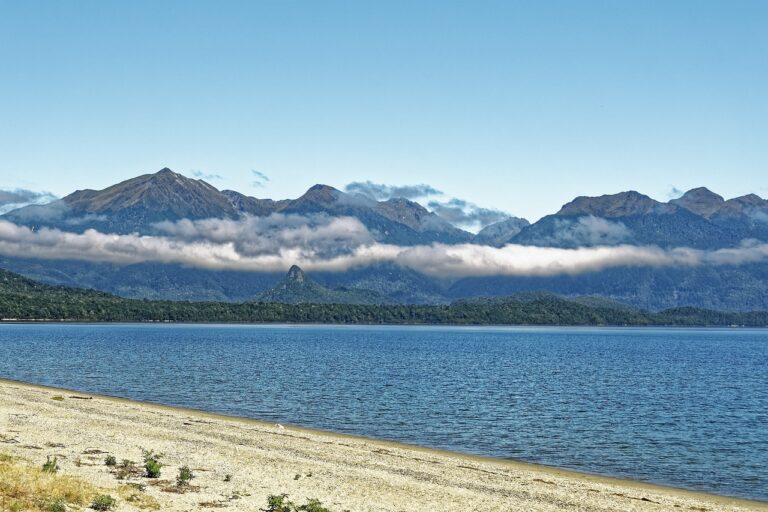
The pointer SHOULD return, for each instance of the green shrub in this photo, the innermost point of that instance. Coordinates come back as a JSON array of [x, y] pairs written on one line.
[[57, 505], [103, 502], [126, 469], [110, 461], [280, 503], [152, 463], [153, 468], [185, 476], [313, 506], [51, 465]]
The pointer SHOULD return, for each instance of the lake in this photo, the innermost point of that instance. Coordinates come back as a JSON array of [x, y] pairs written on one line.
[[682, 407]]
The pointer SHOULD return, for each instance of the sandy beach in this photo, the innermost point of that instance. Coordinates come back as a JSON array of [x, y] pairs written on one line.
[[237, 463]]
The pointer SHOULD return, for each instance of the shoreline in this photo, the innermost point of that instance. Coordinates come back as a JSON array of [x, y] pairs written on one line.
[[5, 321], [538, 474]]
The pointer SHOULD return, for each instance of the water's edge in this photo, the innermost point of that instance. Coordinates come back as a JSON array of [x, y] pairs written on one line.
[[4, 321], [517, 464]]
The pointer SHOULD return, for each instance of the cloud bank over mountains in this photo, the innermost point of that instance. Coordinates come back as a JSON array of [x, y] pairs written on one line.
[[337, 244]]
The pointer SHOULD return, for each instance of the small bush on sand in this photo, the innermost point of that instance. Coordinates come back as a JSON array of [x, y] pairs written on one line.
[[152, 463], [55, 505], [51, 465], [227, 478], [313, 505], [103, 502], [110, 461], [185, 476], [280, 503], [126, 469]]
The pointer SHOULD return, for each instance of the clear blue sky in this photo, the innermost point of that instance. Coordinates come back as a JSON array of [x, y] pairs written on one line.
[[515, 105]]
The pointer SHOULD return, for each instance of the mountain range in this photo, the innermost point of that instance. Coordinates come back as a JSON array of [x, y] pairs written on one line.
[[145, 205]]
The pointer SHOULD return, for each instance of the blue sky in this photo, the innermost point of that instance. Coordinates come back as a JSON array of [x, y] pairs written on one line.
[[515, 105]]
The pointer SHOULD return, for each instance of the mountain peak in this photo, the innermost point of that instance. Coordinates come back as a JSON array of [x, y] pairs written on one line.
[[623, 204], [135, 204], [748, 200], [700, 201], [295, 274], [298, 289], [500, 233], [320, 194]]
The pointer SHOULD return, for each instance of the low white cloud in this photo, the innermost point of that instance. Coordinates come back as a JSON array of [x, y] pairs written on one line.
[[275, 243], [587, 231], [759, 215], [318, 234]]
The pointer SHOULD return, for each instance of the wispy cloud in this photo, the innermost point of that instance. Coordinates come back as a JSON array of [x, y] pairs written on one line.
[[16, 198], [465, 214], [338, 244], [259, 178], [674, 192], [586, 231], [382, 192], [206, 176], [457, 211]]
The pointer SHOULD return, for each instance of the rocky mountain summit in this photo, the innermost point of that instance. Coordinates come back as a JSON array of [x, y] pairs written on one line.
[[296, 288]]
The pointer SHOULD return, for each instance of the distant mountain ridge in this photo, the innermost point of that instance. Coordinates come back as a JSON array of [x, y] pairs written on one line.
[[137, 204], [698, 219]]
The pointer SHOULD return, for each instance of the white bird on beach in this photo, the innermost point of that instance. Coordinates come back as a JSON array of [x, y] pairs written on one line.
[[279, 427]]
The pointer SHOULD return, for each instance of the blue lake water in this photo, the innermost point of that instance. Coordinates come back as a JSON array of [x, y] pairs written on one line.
[[687, 408]]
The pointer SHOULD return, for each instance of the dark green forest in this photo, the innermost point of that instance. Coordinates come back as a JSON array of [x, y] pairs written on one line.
[[23, 299]]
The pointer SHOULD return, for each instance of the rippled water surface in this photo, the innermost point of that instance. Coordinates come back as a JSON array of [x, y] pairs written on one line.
[[682, 407]]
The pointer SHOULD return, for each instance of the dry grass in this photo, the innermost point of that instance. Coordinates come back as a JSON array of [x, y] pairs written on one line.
[[24, 487], [137, 498]]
